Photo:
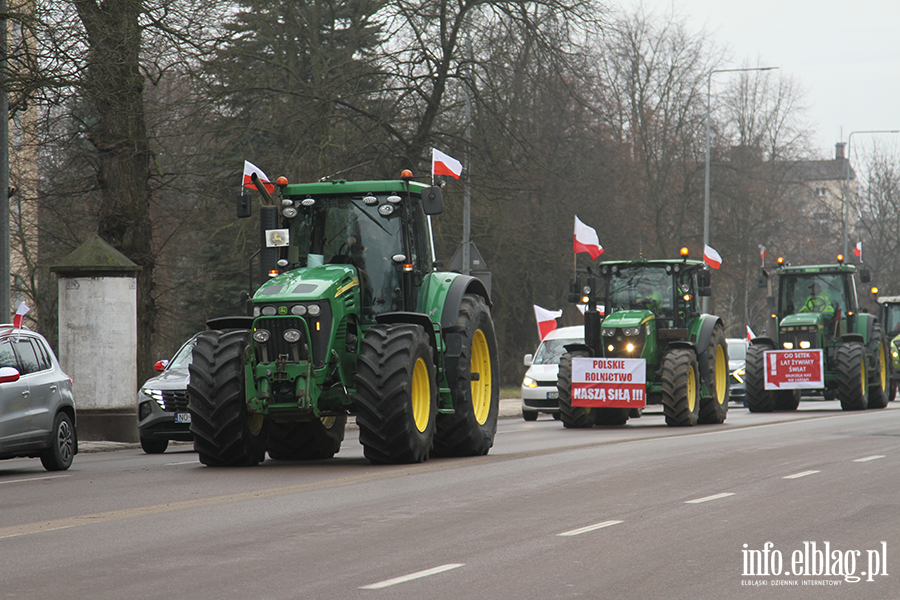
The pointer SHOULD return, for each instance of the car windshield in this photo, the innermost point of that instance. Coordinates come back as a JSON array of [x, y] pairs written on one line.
[[813, 293], [642, 288], [550, 351], [182, 358], [737, 350]]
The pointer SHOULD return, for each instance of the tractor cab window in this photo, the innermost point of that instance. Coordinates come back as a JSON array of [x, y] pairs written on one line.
[[892, 319], [643, 288], [813, 293]]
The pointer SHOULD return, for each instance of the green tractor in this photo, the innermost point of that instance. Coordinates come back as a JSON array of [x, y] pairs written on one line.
[[652, 313], [817, 309], [889, 315], [354, 320]]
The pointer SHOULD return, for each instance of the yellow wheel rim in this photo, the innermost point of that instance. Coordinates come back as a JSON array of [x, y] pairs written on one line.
[[882, 360], [255, 423], [328, 422], [421, 395], [862, 376], [691, 389], [481, 389], [721, 374]]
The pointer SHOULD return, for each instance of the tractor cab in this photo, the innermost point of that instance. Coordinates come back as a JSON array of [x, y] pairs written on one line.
[[818, 302]]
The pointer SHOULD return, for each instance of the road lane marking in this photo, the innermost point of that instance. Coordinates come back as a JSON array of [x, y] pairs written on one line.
[[589, 528], [868, 458], [33, 479], [708, 498], [187, 462], [799, 475], [412, 576]]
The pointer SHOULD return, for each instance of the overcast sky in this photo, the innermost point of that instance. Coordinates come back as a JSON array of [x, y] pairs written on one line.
[[845, 54]]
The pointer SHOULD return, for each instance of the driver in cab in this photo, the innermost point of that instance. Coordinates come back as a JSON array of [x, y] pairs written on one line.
[[819, 301]]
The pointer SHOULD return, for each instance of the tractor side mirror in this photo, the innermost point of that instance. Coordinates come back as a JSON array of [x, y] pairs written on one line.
[[763, 279], [244, 206], [865, 275], [704, 279], [432, 200]]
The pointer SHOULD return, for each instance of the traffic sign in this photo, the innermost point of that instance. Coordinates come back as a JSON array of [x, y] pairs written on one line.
[[794, 369]]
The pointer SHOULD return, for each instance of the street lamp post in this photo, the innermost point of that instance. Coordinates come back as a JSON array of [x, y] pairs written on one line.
[[847, 185], [706, 183]]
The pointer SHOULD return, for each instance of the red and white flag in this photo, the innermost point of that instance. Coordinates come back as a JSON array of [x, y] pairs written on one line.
[[750, 334], [546, 320], [249, 170], [711, 257], [762, 251], [586, 240], [858, 251], [442, 164], [20, 314]]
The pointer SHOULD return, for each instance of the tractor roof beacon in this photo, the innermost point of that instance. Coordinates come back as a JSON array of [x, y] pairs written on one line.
[[652, 313], [354, 319], [815, 307]]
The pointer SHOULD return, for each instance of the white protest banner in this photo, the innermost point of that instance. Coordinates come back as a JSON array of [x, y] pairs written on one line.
[[609, 382]]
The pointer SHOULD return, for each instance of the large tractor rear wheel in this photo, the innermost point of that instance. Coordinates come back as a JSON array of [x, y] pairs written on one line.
[[879, 388], [572, 417], [225, 433], [714, 408], [470, 430], [758, 398], [681, 388], [307, 440], [852, 381], [396, 394]]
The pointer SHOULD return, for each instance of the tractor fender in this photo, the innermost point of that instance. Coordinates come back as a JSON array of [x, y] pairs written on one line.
[[686, 344], [761, 339], [853, 338], [706, 330], [579, 348], [413, 318], [232, 322], [461, 285]]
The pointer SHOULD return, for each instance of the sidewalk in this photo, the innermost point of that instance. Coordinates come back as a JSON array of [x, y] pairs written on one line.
[[510, 408]]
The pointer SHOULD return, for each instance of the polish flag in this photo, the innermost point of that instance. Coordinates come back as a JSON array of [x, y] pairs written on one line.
[[20, 314], [858, 250], [442, 164], [762, 251], [249, 170], [750, 334], [586, 240], [711, 257], [546, 320], [583, 307]]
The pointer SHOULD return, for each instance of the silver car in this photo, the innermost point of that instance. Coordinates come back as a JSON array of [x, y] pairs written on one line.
[[163, 403], [37, 406]]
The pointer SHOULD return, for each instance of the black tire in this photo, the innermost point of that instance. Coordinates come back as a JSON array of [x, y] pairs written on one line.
[[714, 408], [154, 445], [572, 417], [893, 394], [879, 387], [852, 380], [556, 416], [759, 399], [225, 433], [787, 400], [396, 394], [470, 430], [681, 388], [530, 415], [61, 453], [307, 440], [610, 417]]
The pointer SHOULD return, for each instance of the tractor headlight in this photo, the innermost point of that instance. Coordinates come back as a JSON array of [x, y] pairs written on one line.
[[805, 345], [256, 311], [609, 331], [894, 353], [629, 347], [529, 382], [394, 199], [261, 336], [298, 310], [314, 310], [269, 311], [289, 212], [370, 200], [385, 210], [307, 202], [292, 336], [631, 331], [788, 345]]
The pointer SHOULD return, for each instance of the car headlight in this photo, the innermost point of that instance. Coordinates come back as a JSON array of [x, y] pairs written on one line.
[[529, 383], [155, 395]]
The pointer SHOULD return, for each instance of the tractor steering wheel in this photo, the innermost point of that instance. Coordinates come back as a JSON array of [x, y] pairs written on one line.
[[816, 304]]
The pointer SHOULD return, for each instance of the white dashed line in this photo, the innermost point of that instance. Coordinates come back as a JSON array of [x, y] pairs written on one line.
[[589, 528], [799, 475], [868, 458], [708, 498], [33, 479], [187, 462], [411, 576]]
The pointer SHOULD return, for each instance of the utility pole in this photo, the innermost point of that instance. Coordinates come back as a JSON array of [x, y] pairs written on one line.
[[5, 274]]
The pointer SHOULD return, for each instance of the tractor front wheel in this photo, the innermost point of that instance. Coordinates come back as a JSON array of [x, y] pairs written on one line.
[[572, 417], [680, 388], [396, 394], [880, 386], [714, 408], [851, 368], [470, 430], [758, 398], [307, 440], [225, 433]]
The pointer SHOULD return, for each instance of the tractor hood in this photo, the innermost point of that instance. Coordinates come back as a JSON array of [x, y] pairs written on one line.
[[312, 283], [627, 318], [804, 318]]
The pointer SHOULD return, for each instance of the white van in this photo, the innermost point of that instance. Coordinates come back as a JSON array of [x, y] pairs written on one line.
[[539, 394]]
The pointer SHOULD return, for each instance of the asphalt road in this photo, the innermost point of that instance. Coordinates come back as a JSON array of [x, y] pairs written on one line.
[[641, 511]]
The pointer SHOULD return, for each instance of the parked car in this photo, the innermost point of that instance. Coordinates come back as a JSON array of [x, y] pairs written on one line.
[[539, 394], [737, 358], [37, 406], [163, 403]]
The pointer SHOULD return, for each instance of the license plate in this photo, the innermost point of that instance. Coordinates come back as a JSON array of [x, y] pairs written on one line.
[[183, 417], [553, 395]]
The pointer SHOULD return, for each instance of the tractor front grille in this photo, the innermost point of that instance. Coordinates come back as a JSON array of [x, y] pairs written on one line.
[[279, 350], [800, 337]]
